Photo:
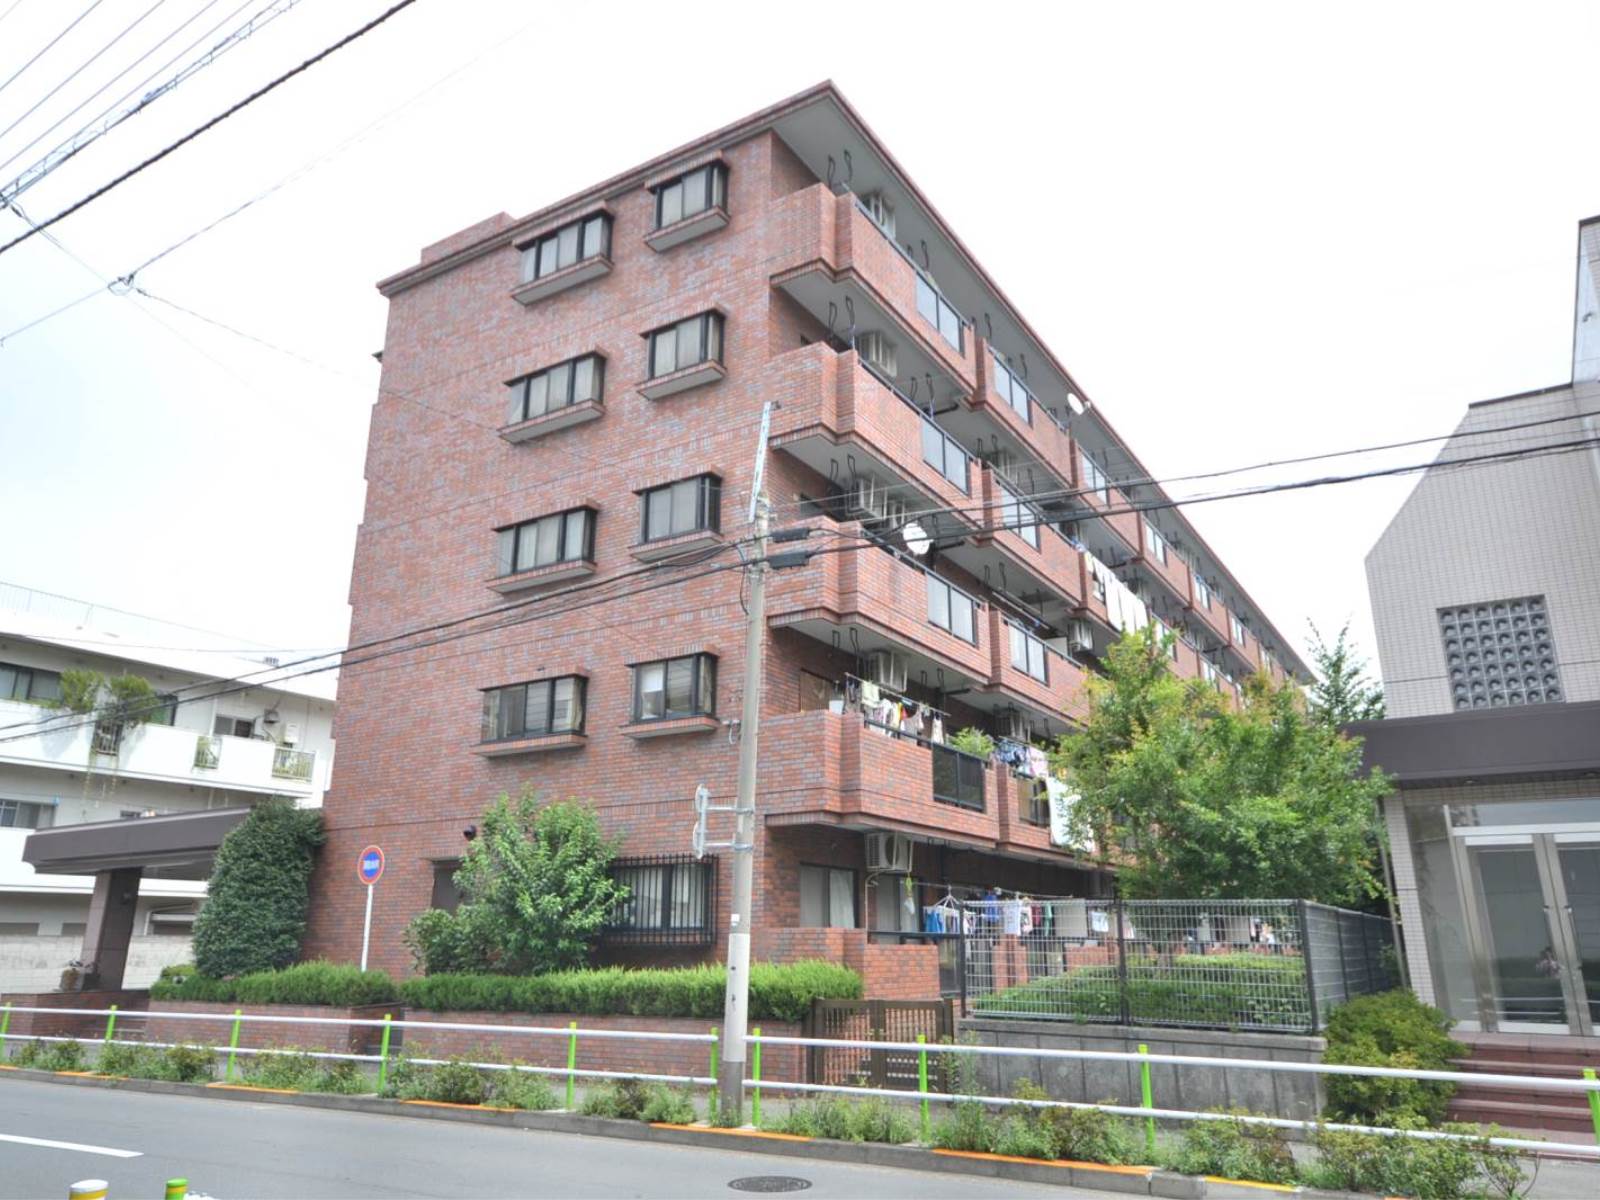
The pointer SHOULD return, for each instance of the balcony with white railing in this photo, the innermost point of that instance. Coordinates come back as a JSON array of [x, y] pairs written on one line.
[[41, 737]]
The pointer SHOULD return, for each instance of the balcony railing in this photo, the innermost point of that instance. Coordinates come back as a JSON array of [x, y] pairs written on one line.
[[207, 753], [957, 775], [939, 450], [931, 304], [288, 763]]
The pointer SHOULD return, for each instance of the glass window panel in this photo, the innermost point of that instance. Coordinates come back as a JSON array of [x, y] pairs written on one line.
[[559, 384], [663, 353], [536, 719], [548, 256], [547, 541], [584, 379], [950, 325], [1019, 648], [652, 690], [719, 187], [685, 505], [575, 540], [927, 303], [841, 899], [691, 342], [711, 496], [537, 396], [517, 402], [568, 240], [813, 896], [566, 712], [714, 337], [658, 513], [505, 551], [694, 192], [688, 896], [46, 685], [680, 685], [671, 203], [594, 237], [12, 684], [961, 621], [932, 445], [706, 685], [530, 263], [938, 603]]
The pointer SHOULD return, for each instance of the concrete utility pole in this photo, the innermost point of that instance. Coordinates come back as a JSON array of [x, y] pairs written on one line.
[[735, 1013]]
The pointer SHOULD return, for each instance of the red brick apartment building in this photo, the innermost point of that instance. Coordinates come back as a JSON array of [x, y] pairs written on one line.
[[574, 397]]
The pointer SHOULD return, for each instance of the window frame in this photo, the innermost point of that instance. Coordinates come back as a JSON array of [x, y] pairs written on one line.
[[708, 507], [492, 710], [716, 193], [1011, 503], [622, 922], [1202, 591], [522, 388], [943, 312], [951, 592], [1030, 643], [32, 674], [1013, 385], [1096, 482], [1155, 543], [702, 679], [712, 320], [43, 814], [528, 530], [828, 871], [533, 251]]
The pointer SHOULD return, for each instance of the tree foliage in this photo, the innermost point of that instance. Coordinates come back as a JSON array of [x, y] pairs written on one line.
[[538, 890], [1343, 692], [255, 913], [1193, 796]]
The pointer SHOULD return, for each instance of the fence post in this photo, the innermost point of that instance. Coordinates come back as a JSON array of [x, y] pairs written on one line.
[[177, 1189], [961, 958], [1122, 962], [572, 1064], [233, 1045], [1147, 1098], [922, 1086], [5, 1024], [1594, 1102], [755, 1075], [111, 1023], [711, 1105], [1305, 961], [383, 1053]]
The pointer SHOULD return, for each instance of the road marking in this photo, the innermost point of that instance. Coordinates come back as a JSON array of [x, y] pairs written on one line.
[[108, 1151]]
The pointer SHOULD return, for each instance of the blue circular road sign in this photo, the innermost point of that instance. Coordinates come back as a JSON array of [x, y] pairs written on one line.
[[370, 865]]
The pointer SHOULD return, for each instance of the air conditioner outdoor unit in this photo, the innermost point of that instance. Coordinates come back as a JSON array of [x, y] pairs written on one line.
[[867, 499], [894, 511], [1080, 637], [889, 852], [878, 350], [880, 210], [888, 668]]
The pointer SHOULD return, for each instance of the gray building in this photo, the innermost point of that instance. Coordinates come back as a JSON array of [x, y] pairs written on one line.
[[1485, 593]]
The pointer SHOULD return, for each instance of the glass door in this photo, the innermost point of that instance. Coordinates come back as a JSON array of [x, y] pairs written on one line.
[[1519, 947], [1576, 862]]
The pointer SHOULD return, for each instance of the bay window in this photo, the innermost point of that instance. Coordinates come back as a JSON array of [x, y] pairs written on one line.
[[555, 388], [691, 194], [675, 687], [687, 506], [560, 537], [687, 343], [526, 710], [567, 246]]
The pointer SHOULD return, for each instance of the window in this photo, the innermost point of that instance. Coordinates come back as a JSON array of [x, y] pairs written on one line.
[[938, 312], [957, 778], [688, 506], [567, 246], [1097, 582], [943, 453], [560, 537], [166, 710], [1028, 653], [29, 684], [534, 709], [1010, 388], [704, 187], [446, 894], [686, 344], [1095, 482], [951, 608], [1036, 804], [827, 897], [226, 726], [1500, 653], [815, 692], [1210, 674], [675, 687], [20, 814], [1166, 637], [670, 899], [1241, 635], [555, 388], [1202, 592], [1018, 516], [1155, 544]]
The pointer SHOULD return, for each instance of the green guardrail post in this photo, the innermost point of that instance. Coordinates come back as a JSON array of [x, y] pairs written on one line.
[[1149, 1102], [572, 1065], [922, 1086], [711, 1106], [233, 1045], [5, 1024], [383, 1053], [177, 1189], [1594, 1102], [755, 1075], [111, 1022]]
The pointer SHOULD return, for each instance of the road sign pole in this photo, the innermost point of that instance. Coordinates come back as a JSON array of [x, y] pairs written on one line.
[[366, 928]]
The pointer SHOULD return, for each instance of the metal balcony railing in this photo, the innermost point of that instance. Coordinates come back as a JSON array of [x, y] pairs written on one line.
[[289, 763]]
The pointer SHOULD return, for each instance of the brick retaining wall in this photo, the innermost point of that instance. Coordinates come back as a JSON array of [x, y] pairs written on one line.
[[340, 1039], [52, 1025]]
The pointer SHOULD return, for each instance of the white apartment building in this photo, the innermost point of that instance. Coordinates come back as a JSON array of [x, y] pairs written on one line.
[[200, 751], [1485, 593]]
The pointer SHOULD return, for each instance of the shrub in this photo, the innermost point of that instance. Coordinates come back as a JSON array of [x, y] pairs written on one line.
[[870, 1120], [341, 1077], [1080, 1134], [442, 942], [972, 741], [318, 982], [1389, 1029], [625, 1099], [781, 992], [669, 1107], [255, 912], [50, 1056], [970, 1126], [132, 1061], [456, 1082], [293, 1070], [1235, 1150], [175, 1064], [188, 1064], [1400, 1166], [520, 1089], [1021, 1136]]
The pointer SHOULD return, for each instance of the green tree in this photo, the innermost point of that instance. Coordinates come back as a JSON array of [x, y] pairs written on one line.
[[1343, 692], [1191, 796], [538, 890], [255, 912]]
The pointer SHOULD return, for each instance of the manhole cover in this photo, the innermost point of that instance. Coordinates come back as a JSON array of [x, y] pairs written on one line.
[[770, 1183]]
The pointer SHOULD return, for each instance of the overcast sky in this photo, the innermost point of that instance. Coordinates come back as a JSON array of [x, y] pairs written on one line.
[[1252, 231]]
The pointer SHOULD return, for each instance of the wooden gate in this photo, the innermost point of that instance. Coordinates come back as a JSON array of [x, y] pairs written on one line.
[[873, 1021]]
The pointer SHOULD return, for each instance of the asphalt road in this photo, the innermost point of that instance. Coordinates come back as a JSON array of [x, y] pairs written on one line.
[[232, 1149]]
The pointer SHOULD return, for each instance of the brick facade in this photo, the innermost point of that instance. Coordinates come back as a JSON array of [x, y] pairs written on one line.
[[794, 260]]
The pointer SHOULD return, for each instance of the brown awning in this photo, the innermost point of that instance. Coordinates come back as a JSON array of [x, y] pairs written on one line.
[[179, 846]]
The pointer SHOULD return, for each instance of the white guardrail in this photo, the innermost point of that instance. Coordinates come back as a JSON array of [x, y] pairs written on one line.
[[923, 1049]]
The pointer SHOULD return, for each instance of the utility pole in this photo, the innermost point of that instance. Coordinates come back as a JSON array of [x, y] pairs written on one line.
[[735, 1012]]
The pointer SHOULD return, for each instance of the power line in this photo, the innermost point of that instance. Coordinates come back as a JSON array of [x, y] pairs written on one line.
[[48, 45], [89, 62], [210, 124], [13, 8]]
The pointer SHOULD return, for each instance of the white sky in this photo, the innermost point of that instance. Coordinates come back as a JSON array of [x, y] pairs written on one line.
[[1251, 231]]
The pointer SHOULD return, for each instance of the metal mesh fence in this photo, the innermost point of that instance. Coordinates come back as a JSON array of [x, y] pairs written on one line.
[[1209, 964]]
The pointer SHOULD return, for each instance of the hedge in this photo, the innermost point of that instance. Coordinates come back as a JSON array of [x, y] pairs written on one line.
[[778, 992], [1221, 990]]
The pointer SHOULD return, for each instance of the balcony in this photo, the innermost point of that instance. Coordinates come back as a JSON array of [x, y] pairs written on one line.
[[1211, 617], [871, 598], [159, 752], [1021, 415], [1100, 497], [1026, 558], [1059, 695], [1245, 651], [835, 409], [1164, 565], [814, 232]]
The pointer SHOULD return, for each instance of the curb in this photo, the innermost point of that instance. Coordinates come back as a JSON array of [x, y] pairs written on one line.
[[1130, 1180]]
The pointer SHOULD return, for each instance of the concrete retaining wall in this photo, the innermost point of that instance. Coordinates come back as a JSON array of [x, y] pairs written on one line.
[[34, 964], [1275, 1093]]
